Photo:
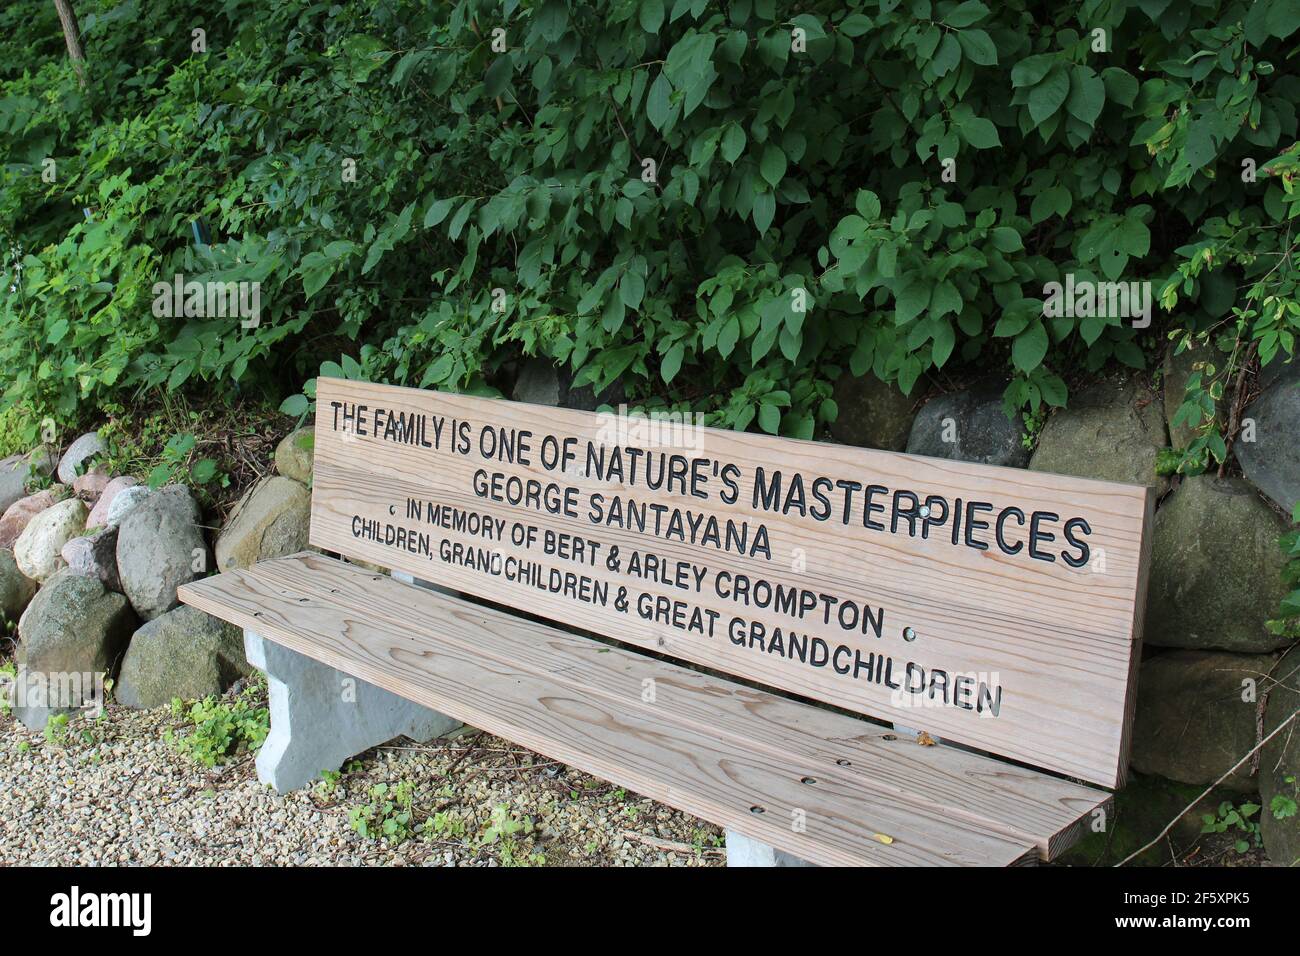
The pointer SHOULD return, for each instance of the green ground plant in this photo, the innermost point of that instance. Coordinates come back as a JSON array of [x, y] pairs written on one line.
[[8, 672], [1284, 806], [390, 814], [222, 729], [504, 828], [1239, 820], [56, 729]]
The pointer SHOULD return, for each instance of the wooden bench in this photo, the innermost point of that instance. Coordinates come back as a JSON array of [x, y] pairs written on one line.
[[995, 610]]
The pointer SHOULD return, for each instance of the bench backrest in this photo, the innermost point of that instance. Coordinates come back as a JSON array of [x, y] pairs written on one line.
[[989, 606]]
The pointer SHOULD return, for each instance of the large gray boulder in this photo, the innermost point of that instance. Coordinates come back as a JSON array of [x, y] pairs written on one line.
[[159, 548], [91, 485], [99, 514], [16, 588], [16, 470], [271, 520], [872, 414], [13, 480], [124, 502], [1196, 716], [540, 382], [95, 555], [74, 628], [295, 454], [1215, 568], [183, 653], [19, 515], [1279, 767], [970, 425], [1111, 431], [1272, 460], [1140, 812], [38, 548], [81, 452]]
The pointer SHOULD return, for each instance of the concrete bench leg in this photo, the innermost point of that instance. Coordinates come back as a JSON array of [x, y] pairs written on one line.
[[321, 716], [742, 851]]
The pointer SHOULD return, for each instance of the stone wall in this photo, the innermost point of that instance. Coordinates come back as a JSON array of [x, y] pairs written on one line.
[[90, 563], [1213, 681]]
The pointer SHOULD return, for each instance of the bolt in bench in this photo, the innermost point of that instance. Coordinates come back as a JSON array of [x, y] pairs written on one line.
[[992, 609]]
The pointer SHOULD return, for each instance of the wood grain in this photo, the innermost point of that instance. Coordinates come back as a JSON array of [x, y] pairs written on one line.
[[476, 665], [1060, 643], [1020, 802], [1022, 805]]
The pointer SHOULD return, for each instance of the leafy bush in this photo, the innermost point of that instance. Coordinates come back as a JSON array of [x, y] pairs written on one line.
[[649, 192]]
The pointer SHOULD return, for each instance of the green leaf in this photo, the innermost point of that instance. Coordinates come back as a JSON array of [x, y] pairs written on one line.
[[948, 57], [438, 370], [315, 279], [887, 260], [497, 77], [764, 211], [438, 211], [1120, 85], [294, 405], [1053, 389], [458, 221], [910, 301], [650, 14], [1005, 239], [867, 204], [1087, 95], [631, 289], [1029, 347], [657, 105], [945, 299], [688, 58], [203, 471], [1283, 18], [1011, 323], [672, 362], [978, 47], [769, 418], [773, 164], [728, 336], [855, 25], [1032, 69], [966, 13], [1046, 97], [980, 133], [944, 340], [1054, 200], [733, 142]]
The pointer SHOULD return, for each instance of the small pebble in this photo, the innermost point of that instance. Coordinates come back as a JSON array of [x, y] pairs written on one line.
[[137, 800]]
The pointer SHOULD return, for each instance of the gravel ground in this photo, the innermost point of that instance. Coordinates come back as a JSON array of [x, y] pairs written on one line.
[[116, 792]]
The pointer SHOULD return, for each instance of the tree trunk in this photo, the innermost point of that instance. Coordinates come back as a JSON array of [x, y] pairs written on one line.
[[72, 36]]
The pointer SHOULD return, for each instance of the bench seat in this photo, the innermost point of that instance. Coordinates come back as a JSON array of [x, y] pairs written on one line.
[[742, 758]]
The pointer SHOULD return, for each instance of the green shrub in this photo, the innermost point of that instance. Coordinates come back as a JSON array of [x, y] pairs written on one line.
[[1108, 140]]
